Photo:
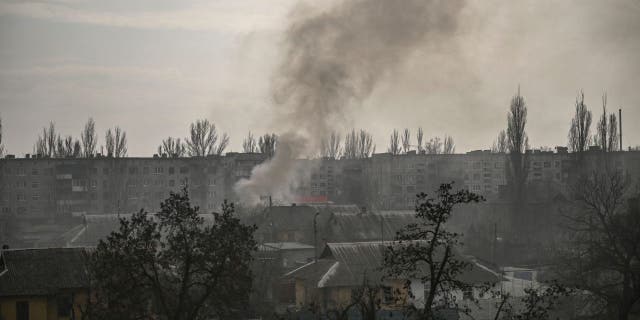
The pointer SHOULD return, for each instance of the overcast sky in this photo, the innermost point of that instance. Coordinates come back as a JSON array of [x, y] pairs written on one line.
[[153, 66]]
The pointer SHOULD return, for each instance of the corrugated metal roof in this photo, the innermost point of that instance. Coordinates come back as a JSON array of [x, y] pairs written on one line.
[[43, 271], [349, 264]]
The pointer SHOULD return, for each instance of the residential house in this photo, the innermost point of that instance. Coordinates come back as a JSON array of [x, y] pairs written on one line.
[[43, 284], [343, 267]]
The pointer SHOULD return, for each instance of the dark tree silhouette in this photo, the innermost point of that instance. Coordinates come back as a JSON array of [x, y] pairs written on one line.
[[602, 251], [394, 143], [89, 139], [173, 265], [267, 144], [203, 139], [116, 142], [425, 250], [579, 136]]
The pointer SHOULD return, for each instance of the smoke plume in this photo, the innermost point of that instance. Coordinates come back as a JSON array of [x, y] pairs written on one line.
[[333, 59]]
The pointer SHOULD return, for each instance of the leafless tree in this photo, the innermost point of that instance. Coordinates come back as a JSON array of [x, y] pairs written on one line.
[[419, 138], [249, 144], [579, 137], [172, 147], [267, 144], [2, 149], [394, 143], [116, 142], [500, 144], [602, 253], [358, 145], [46, 142], [89, 139], [222, 145], [406, 140], [365, 145], [612, 144], [516, 122], [350, 145], [331, 147], [433, 146], [203, 139], [448, 147], [607, 130]]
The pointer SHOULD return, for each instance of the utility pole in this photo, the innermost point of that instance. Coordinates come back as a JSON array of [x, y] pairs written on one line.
[[315, 237]]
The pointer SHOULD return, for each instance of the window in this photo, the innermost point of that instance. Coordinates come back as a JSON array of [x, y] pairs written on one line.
[[172, 183], [133, 170], [172, 170], [94, 183], [35, 184], [145, 170], [64, 305], [35, 197], [159, 170], [22, 310], [184, 170], [20, 196], [212, 181], [105, 170], [547, 164], [34, 172]]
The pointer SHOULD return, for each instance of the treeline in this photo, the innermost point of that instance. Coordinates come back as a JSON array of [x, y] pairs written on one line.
[[606, 136]]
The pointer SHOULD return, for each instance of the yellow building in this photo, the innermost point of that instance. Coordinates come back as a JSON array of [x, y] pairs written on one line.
[[43, 284]]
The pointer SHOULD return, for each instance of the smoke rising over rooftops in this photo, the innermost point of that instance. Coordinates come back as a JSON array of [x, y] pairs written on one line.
[[332, 60]]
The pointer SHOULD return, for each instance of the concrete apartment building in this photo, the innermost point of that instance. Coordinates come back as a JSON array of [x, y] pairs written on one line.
[[47, 188]]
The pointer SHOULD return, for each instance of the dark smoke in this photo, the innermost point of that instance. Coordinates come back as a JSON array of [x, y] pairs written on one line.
[[334, 59]]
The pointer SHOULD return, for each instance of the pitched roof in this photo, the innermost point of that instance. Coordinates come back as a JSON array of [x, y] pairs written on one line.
[[350, 264], [42, 271]]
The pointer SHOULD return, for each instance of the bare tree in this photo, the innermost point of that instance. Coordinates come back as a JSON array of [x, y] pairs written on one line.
[[500, 144], [330, 147], [203, 139], [419, 138], [433, 146], [607, 130], [612, 144], [249, 144], [365, 145], [448, 146], [406, 140], [173, 148], [222, 145], [1, 142], [579, 137], [601, 253], [394, 143], [267, 144], [116, 142], [350, 145], [89, 139], [46, 142]]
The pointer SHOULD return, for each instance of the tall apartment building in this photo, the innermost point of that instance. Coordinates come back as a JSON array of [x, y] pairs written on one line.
[[48, 188]]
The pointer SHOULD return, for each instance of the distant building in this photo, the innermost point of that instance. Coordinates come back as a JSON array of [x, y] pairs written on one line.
[[43, 284], [44, 188]]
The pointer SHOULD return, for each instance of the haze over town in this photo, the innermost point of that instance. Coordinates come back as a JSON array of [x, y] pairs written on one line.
[[152, 67]]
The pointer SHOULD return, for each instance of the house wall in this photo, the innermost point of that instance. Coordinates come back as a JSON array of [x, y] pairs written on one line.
[[41, 307]]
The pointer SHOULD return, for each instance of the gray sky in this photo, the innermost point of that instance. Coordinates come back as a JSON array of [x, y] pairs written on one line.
[[153, 66]]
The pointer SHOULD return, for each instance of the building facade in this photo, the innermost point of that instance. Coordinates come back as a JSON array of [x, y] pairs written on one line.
[[50, 188]]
